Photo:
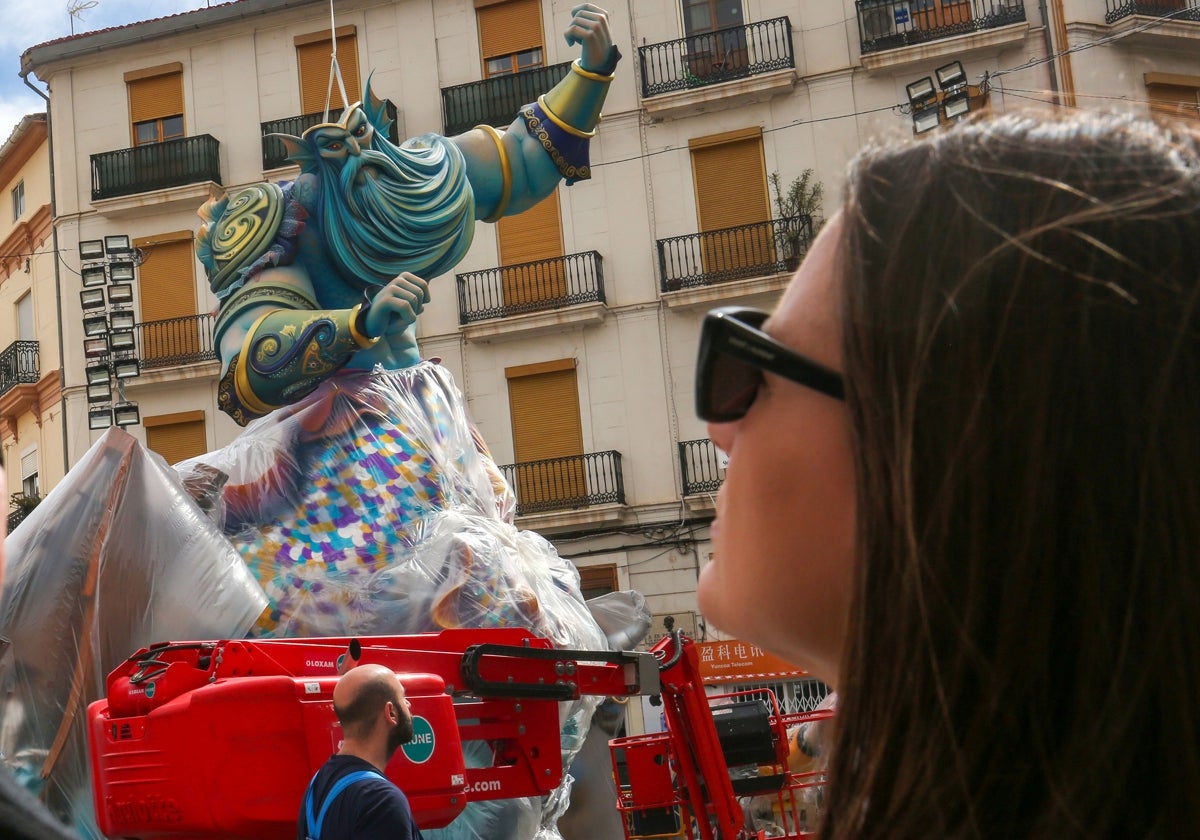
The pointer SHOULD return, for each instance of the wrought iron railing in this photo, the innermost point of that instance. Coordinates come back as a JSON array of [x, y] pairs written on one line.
[[720, 256], [1174, 9], [496, 101], [156, 166], [566, 483], [887, 24], [719, 56], [530, 287], [700, 467], [274, 155], [20, 363], [176, 341]]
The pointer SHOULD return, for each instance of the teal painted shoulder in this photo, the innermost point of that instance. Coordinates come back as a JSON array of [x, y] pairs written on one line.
[[238, 228]]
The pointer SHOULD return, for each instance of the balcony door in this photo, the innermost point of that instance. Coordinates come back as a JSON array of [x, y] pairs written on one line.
[[155, 103], [531, 246], [711, 52], [26, 363], [543, 402], [167, 297], [730, 178], [938, 14]]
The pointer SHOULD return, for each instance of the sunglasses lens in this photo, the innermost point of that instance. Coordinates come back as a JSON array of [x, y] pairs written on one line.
[[732, 387]]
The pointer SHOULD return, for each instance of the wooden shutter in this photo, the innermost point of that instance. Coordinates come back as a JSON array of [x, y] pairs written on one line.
[[595, 581], [533, 235], [1174, 102], [167, 291], [313, 60], [155, 97], [177, 437], [731, 190], [507, 28], [544, 404]]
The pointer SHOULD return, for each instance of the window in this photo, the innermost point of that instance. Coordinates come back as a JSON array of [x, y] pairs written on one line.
[[510, 36], [156, 103], [25, 317], [1174, 96], [730, 177], [166, 282], [595, 581], [543, 402], [514, 63], [707, 15], [18, 200], [156, 131], [532, 237], [29, 474], [710, 53], [313, 58], [177, 437]]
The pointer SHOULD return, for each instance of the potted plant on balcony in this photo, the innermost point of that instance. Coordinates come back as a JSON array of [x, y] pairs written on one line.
[[798, 210]]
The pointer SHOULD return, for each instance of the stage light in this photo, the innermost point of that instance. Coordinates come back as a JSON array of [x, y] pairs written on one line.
[[94, 325], [951, 76], [922, 99], [95, 347], [957, 104], [127, 368], [120, 293], [99, 418], [96, 374], [120, 272], [91, 299], [121, 319], [91, 249], [127, 414], [99, 392], [93, 275], [118, 244], [121, 341]]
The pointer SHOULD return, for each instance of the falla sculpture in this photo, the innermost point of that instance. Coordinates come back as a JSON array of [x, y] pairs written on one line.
[[358, 499]]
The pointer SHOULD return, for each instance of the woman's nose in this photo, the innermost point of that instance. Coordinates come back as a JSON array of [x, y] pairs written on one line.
[[721, 434]]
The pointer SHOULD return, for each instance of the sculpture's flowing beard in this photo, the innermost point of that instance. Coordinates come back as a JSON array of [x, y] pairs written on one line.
[[389, 210]]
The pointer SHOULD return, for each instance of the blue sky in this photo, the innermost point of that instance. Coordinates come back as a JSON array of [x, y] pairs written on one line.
[[30, 22]]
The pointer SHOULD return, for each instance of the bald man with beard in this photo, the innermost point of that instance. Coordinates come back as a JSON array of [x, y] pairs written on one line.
[[349, 798]]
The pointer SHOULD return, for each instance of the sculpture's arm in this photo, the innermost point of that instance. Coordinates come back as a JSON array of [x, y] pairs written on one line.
[[277, 345], [513, 169]]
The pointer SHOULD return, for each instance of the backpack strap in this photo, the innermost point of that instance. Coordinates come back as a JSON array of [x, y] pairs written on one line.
[[314, 824]]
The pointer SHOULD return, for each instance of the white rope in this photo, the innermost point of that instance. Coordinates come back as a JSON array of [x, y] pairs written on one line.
[[335, 69]]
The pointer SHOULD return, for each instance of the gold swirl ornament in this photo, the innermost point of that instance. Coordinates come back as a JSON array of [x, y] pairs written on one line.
[[245, 230]]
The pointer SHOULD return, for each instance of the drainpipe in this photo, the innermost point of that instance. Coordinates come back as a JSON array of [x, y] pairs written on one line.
[[1049, 38], [62, 356]]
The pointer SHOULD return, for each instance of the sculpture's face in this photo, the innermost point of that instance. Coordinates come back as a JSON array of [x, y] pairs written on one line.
[[338, 141]]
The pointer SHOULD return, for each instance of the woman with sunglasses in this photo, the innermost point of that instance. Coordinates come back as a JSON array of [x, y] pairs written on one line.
[[964, 482]]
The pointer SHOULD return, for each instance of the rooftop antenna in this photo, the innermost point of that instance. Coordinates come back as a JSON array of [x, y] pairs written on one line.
[[76, 8]]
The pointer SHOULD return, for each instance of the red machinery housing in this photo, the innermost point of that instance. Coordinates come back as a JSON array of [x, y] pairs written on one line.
[[220, 739]]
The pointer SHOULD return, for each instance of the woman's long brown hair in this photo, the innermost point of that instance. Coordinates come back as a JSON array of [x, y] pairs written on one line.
[[1022, 346]]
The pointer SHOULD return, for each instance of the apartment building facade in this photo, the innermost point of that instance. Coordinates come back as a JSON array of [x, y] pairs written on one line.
[[571, 329], [31, 428]]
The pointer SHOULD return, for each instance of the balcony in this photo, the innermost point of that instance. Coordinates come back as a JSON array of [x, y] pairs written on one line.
[[176, 341], [20, 364], [156, 166], [700, 467], [546, 286], [731, 254], [889, 24], [563, 484], [496, 101], [274, 155], [711, 58]]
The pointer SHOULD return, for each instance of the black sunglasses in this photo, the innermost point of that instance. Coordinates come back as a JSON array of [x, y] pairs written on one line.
[[734, 352]]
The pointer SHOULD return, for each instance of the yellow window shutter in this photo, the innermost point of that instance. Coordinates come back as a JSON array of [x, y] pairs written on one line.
[[177, 441], [507, 28], [533, 235], [156, 97], [731, 183], [1174, 102], [546, 426], [595, 581], [166, 281], [313, 59]]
